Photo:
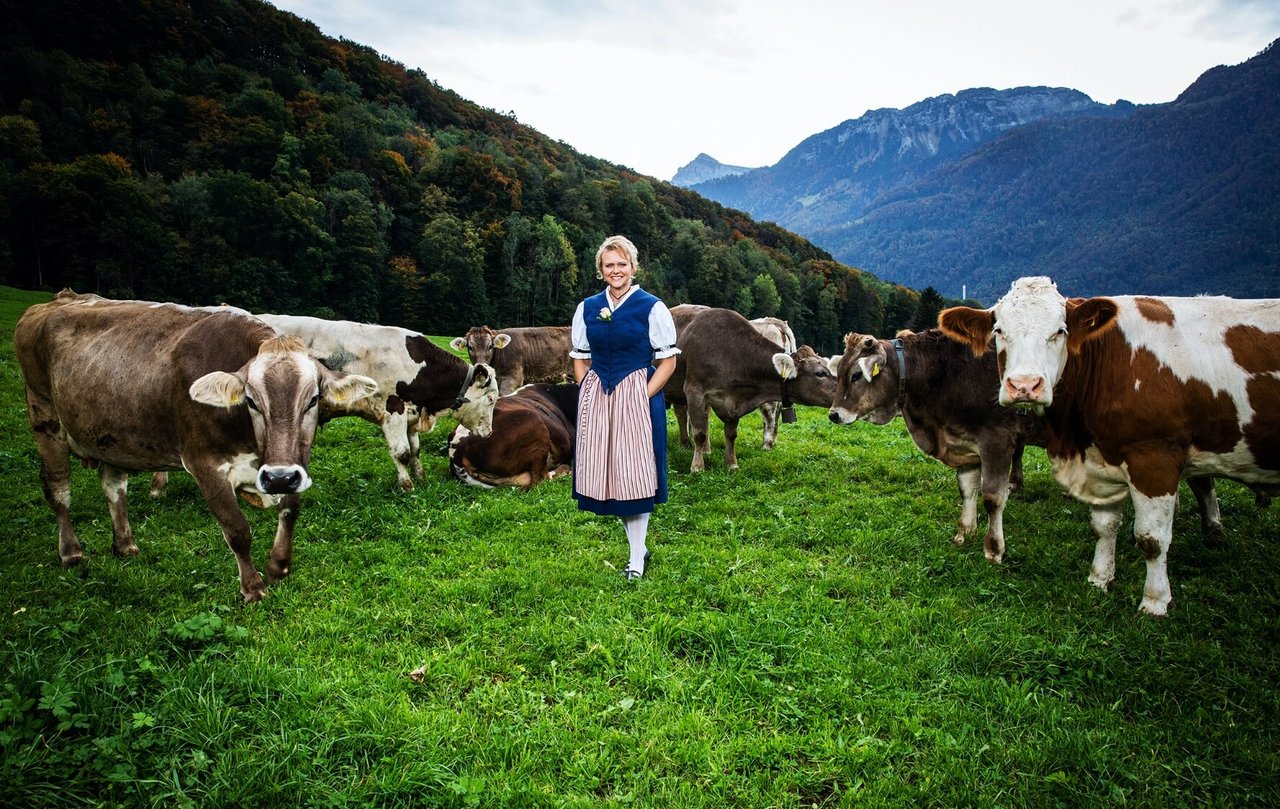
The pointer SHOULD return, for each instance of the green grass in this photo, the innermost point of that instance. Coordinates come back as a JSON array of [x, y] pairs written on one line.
[[807, 635]]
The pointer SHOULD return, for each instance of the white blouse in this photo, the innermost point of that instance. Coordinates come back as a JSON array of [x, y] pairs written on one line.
[[662, 329]]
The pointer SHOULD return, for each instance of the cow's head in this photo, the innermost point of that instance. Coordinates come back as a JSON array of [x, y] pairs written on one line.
[[480, 342], [1035, 331], [807, 376], [474, 408], [866, 382], [282, 389]]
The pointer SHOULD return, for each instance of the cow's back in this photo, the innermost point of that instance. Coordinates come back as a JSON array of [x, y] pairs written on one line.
[[117, 373], [719, 345]]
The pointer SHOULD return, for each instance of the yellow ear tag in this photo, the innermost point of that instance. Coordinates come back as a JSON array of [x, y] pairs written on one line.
[[875, 369]]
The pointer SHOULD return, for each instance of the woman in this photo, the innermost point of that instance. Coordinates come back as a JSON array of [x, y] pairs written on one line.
[[624, 351]]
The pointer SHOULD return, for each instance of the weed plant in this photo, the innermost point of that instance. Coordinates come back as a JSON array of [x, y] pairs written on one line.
[[806, 636]]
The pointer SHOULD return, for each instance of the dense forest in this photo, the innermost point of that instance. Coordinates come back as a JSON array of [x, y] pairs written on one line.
[[226, 151]]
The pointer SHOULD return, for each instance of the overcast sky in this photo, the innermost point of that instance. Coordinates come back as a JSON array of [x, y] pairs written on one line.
[[651, 84]]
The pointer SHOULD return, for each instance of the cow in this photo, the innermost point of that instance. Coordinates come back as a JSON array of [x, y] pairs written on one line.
[[946, 398], [520, 356], [727, 365], [131, 386], [532, 439], [419, 381], [1137, 393], [777, 330]]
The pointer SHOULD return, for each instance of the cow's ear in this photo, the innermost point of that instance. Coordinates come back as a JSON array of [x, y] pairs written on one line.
[[785, 364], [834, 364], [340, 390], [218, 389], [1088, 318], [870, 367], [967, 325], [458, 344], [501, 341]]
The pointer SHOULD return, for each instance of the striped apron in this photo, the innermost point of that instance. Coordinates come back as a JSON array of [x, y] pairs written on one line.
[[614, 454]]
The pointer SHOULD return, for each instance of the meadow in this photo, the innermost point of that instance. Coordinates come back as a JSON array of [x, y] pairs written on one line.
[[806, 635]]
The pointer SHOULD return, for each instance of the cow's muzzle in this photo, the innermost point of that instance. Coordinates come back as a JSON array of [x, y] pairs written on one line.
[[283, 479], [1020, 390]]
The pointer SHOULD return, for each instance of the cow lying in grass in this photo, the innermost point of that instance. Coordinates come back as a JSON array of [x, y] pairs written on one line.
[[532, 439]]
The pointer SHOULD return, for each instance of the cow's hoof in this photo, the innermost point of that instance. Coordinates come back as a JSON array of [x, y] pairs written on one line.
[[958, 539], [253, 596], [1156, 608], [406, 485], [276, 571], [1215, 536], [72, 559], [125, 550]]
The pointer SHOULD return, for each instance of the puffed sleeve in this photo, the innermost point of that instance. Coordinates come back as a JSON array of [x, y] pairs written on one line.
[[578, 336], [662, 332]]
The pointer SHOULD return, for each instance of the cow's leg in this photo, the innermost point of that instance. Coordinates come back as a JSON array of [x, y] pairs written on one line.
[[158, 481], [395, 429], [1015, 468], [115, 486], [969, 479], [282, 548], [698, 425], [1210, 515], [55, 475], [997, 464], [769, 419], [1105, 521], [221, 499], [1153, 532], [415, 447], [730, 441], [682, 423]]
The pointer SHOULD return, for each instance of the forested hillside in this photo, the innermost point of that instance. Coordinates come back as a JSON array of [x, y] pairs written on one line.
[[224, 150], [1181, 198]]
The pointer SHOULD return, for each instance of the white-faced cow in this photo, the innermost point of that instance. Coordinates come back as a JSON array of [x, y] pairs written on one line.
[[728, 366], [946, 397], [1137, 393], [419, 381], [776, 330], [520, 356], [532, 439], [132, 386]]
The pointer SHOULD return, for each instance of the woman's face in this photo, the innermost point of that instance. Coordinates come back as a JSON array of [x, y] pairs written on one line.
[[617, 270]]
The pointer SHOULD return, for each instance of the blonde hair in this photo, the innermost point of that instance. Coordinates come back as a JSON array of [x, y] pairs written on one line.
[[622, 245]]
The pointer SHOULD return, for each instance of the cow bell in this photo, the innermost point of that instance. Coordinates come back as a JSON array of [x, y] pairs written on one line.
[[788, 415]]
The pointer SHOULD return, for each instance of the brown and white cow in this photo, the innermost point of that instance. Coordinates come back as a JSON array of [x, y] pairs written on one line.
[[520, 356], [532, 439], [726, 365], [419, 381], [775, 329], [1138, 392], [946, 398], [134, 386]]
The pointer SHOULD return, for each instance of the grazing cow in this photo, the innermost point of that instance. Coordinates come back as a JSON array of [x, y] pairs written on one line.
[[520, 356], [946, 398], [418, 379], [532, 439], [131, 386], [727, 365], [776, 330], [1138, 392]]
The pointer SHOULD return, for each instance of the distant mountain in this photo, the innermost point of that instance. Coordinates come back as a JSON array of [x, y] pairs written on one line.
[[1180, 198], [828, 180], [704, 167]]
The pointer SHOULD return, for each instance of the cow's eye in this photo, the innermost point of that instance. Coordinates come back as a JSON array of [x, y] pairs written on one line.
[[251, 403], [314, 401]]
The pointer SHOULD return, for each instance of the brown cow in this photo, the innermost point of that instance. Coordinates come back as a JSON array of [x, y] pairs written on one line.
[[134, 386], [727, 365], [777, 330], [1138, 392], [520, 356], [532, 439]]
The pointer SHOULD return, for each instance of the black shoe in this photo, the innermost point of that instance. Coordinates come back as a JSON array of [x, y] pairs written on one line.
[[632, 574]]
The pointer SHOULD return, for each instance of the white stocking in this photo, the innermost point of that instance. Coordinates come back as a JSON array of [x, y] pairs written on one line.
[[636, 526]]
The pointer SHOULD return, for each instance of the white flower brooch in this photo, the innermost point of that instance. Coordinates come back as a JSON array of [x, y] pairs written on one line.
[[606, 314]]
